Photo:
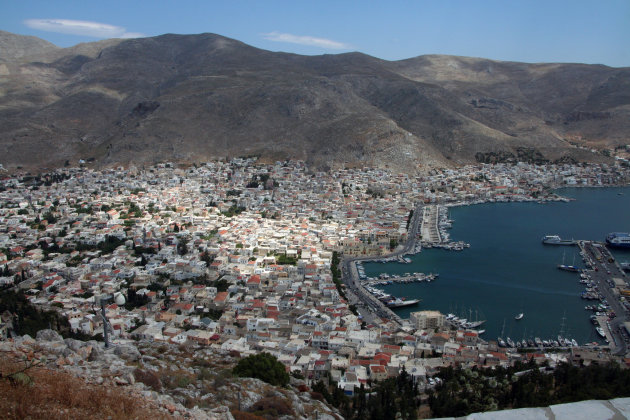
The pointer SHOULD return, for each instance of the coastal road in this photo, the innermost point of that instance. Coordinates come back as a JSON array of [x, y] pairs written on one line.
[[368, 305], [602, 274]]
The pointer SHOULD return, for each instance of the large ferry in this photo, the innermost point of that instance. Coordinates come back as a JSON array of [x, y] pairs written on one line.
[[556, 240], [618, 239]]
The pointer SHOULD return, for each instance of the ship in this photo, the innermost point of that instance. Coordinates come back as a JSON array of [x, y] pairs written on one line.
[[399, 303], [519, 316], [618, 240], [556, 240]]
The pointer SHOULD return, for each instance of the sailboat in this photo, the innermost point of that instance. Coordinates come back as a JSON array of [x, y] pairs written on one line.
[[565, 267], [500, 339]]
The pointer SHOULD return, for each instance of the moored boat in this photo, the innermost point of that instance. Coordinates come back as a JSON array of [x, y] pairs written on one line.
[[401, 302], [571, 268], [557, 240], [618, 239]]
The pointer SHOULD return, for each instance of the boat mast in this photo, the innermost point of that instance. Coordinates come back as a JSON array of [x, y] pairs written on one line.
[[564, 316]]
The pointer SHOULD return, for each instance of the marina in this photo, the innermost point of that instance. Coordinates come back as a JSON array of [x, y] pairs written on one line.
[[492, 274]]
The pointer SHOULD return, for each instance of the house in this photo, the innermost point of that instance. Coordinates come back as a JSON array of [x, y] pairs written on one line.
[[203, 337], [221, 299], [377, 373]]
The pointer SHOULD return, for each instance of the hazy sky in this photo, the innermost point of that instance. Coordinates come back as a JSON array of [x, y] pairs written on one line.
[[585, 31]]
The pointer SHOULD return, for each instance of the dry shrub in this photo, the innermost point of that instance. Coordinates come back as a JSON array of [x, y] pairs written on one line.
[[202, 363], [272, 407], [148, 378], [57, 394], [241, 415], [303, 388], [176, 379], [317, 396]]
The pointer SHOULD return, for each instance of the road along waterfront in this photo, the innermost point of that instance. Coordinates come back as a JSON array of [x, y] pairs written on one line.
[[507, 270], [370, 307]]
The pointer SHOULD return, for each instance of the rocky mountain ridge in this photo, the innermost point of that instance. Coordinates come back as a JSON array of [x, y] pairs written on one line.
[[190, 98]]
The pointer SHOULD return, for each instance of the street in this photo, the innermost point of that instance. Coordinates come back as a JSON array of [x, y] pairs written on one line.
[[369, 306]]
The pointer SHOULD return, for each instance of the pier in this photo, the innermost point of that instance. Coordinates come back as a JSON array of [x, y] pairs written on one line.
[[607, 282], [430, 230], [415, 278], [435, 222]]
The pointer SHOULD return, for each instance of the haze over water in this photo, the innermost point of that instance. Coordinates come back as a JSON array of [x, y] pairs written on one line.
[[507, 270]]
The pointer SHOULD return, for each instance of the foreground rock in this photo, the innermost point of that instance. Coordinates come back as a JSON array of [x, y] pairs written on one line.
[[180, 381]]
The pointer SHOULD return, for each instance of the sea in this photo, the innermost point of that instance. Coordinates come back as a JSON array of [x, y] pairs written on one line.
[[507, 270]]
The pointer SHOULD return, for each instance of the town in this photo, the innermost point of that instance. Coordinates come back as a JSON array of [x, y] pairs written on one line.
[[244, 257]]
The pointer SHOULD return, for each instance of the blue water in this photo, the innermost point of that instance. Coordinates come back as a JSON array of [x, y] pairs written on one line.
[[507, 270]]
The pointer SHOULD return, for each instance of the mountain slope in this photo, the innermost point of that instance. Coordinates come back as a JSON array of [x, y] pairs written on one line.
[[194, 97]]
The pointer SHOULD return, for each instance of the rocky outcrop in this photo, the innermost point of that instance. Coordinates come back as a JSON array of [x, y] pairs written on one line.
[[182, 381]]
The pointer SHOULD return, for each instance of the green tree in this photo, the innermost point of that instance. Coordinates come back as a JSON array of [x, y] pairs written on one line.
[[262, 366]]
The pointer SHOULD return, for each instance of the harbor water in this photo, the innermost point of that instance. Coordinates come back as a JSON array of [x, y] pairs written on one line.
[[507, 270]]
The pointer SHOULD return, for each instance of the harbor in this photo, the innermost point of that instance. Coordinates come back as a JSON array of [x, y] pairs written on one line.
[[522, 275]]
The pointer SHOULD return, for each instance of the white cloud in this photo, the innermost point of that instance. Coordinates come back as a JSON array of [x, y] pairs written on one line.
[[306, 40], [81, 27]]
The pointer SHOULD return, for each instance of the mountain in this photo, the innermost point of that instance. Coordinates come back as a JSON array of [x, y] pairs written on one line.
[[189, 98]]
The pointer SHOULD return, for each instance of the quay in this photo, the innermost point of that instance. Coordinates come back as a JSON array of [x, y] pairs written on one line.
[[430, 230], [435, 222], [610, 282]]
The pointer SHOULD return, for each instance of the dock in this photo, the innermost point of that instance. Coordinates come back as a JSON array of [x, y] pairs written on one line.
[[430, 229], [433, 229], [608, 283], [415, 278]]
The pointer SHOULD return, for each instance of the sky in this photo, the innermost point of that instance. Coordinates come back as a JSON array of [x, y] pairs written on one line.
[[578, 31]]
